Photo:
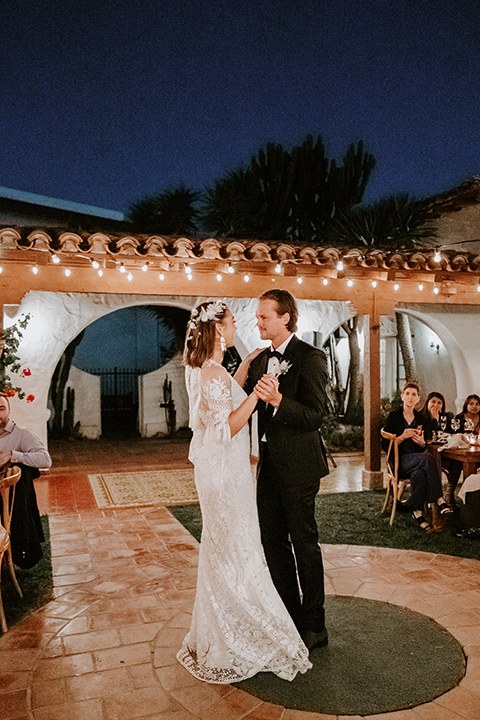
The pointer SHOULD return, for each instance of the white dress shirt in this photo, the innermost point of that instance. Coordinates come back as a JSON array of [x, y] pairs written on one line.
[[25, 446]]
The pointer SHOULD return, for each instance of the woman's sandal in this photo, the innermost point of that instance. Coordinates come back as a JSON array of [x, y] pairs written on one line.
[[422, 523], [444, 509]]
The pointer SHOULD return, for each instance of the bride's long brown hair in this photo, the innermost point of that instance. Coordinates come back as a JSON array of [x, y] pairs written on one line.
[[200, 339]]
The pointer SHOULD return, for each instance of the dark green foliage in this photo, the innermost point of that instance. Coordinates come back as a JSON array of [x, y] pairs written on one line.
[[9, 360], [169, 212], [57, 387], [396, 222], [287, 194], [169, 405]]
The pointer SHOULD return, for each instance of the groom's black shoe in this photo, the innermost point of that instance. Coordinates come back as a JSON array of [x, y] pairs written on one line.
[[315, 639]]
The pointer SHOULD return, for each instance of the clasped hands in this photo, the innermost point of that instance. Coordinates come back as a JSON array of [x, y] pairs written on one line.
[[267, 390]]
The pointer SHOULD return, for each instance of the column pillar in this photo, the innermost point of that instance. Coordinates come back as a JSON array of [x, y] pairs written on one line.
[[372, 476]]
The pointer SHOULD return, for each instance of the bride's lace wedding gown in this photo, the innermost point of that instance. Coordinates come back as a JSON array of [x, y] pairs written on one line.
[[240, 626]]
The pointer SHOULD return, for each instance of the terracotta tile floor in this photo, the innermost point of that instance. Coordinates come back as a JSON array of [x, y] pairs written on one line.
[[104, 648]]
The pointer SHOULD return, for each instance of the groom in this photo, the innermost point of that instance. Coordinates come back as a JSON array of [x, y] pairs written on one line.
[[292, 461]]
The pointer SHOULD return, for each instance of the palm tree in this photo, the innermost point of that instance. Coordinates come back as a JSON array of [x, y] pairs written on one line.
[[287, 195], [169, 212], [397, 222]]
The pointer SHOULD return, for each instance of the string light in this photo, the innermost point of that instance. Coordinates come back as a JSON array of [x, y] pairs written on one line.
[[325, 281], [161, 276], [122, 269], [349, 283], [219, 277], [436, 290], [100, 273], [340, 265], [129, 277], [188, 269], [437, 256], [230, 269], [278, 268], [299, 280], [420, 287], [145, 267], [374, 283], [67, 272], [396, 286], [189, 276], [55, 259], [35, 269], [1, 269], [246, 278], [95, 264], [478, 288]]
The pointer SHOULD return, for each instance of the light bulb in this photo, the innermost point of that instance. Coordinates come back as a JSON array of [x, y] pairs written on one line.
[[189, 276], [95, 264], [478, 288], [437, 257], [349, 283], [122, 269], [299, 280], [188, 269], [100, 273], [67, 272], [396, 286], [325, 281], [1, 269], [420, 287], [55, 259], [35, 269], [278, 268], [246, 278], [129, 277], [436, 290], [374, 283], [145, 267], [340, 265], [230, 269], [219, 277], [161, 276]]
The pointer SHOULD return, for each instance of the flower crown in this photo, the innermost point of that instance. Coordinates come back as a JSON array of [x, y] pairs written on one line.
[[212, 311]]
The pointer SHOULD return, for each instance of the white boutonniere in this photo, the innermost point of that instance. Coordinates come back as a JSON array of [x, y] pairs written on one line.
[[282, 368]]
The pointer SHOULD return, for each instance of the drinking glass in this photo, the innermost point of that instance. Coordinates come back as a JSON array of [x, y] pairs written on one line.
[[443, 422], [469, 425], [455, 423]]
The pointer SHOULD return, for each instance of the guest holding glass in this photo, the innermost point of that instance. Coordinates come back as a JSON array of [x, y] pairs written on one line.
[[468, 421], [416, 463], [435, 417]]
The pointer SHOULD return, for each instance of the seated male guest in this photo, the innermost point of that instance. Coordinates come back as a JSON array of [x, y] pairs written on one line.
[[18, 446]]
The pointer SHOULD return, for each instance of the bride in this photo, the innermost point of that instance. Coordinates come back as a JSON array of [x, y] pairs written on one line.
[[239, 626]]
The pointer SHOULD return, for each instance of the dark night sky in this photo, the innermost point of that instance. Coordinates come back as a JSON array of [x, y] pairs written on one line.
[[104, 101]]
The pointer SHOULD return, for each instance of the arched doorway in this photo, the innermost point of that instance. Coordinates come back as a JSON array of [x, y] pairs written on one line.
[[104, 363]]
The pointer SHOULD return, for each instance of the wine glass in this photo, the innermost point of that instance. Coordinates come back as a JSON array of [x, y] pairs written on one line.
[[455, 423], [443, 422], [469, 425]]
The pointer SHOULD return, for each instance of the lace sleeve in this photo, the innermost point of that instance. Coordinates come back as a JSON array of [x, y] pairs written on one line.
[[216, 403]]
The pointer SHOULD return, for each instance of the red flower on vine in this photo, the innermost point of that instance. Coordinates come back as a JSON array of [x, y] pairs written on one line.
[[26, 372], [30, 398], [9, 392]]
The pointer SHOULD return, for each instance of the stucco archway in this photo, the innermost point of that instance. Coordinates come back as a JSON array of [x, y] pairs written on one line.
[[57, 318]]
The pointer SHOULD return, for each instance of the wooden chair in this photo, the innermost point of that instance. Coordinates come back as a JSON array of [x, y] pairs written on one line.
[[7, 493], [395, 484]]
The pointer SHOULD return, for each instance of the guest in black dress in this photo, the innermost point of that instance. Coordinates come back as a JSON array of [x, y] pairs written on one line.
[[415, 461]]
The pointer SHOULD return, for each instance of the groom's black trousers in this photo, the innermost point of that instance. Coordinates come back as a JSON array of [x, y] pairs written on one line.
[[286, 511]]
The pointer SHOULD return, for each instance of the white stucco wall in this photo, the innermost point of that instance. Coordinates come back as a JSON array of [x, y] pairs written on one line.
[[87, 408], [57, 318], [151, 417]]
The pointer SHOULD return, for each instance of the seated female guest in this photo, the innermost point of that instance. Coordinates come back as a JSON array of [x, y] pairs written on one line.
[[470, 416], [467, 421], [415, 461], [433, 409]]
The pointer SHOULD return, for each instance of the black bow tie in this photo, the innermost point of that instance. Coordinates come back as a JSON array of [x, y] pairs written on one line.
[[274, 354]]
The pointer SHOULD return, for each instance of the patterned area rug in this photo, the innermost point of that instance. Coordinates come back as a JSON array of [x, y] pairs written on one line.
[[158, 487]]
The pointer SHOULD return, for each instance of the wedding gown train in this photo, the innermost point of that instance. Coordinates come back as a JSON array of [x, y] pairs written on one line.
[[240, 625]]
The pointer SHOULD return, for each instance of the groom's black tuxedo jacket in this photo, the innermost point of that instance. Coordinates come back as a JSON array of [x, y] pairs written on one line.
[[292, 433]]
